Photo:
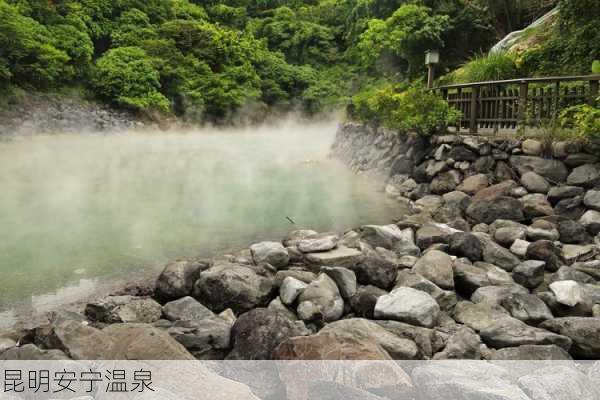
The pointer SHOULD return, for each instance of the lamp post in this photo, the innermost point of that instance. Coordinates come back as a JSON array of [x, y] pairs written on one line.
[[432, 57]]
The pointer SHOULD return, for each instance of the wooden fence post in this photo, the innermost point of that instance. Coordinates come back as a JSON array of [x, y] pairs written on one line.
[[593, 92], [474, 109], [523, 90]]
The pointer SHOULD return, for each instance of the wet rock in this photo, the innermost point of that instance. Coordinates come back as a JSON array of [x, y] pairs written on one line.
[[591, 221], [257, 333], [186, 308], [468, 278], [535, 183], [586, 175], [317, 243], [408, 305], [177, 280], [529, 273], [364, 300], [436, 266], [290, 290], [340, 257], [463, 244], [116, 309], [564, 382], [385, 236], [232, 286], [572, 232], [553, 170], [531, 352], [584, 332], [272, 253], [568, 293], [345, 280], [320, 300], [206, 339], [502, 207], [544, 250]]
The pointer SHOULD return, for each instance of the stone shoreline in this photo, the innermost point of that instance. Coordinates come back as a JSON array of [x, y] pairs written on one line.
[[499, 260]]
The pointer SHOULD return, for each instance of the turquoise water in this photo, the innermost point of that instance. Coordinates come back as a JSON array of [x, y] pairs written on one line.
[[79, 209]]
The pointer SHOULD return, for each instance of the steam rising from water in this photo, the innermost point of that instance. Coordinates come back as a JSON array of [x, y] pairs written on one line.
[[77, 207]]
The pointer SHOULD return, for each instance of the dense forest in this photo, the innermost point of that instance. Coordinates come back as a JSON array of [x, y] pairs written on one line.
[[205, 60]]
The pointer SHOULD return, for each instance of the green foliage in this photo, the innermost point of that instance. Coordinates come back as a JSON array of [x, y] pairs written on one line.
[[491, 67], [126, 76], [596, 67], [410, 110], [583, 119], [406, 35]]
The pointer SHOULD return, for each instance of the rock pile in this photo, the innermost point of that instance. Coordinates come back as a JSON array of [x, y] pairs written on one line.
[[499, 260]]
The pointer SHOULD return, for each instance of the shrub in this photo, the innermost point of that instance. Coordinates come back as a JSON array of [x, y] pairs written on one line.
[[583, 119], [491, 67], [596, 67], [411, 110], [127, 77]]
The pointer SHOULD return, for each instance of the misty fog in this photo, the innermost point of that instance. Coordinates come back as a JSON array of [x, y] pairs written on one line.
[[78, 207]]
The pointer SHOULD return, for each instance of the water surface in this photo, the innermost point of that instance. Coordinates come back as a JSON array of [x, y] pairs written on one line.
[[79, 209]]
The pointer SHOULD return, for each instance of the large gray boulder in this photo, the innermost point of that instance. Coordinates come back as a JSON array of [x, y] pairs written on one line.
[[208, 338], [233, 286], [591, 221], [558, 382], [529, 273], [433, 233], [256, 333], [467, 245], [535, 183], [30, 352], [584, 332], [527, 308], [489, 210], [290, 289], [385, 236], [498, 329], [271, 253], [116, 309], [470, 277], [436, 266], [316, 243], [345, 280], [321, 300], [569, 293], [445, 298], [75, 338], [531, 352], [465, 380], [551, 169], [408, 305], [177, 279], [186, 309], [364, 300], [339, 257], [558, 193], [586, 175], [497, 255], [592, 199]]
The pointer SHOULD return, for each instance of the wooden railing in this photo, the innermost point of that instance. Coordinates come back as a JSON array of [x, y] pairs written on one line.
[[501, 106]]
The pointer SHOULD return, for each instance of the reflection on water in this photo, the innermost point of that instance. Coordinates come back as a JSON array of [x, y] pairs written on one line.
[[77, 208]]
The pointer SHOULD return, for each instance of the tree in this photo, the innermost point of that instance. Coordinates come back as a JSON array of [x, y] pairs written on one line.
[[406, 35], [127, 77]]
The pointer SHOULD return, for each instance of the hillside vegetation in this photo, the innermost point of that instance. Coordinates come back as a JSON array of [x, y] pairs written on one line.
[[208, 60]]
